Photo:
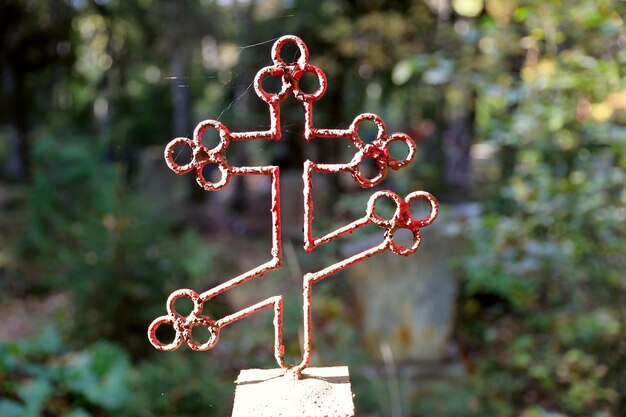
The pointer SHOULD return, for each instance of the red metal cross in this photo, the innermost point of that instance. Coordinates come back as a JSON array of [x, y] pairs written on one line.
[[378, 150]]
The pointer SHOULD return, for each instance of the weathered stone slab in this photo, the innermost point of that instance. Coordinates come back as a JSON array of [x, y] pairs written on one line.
[[410, 302], [322, 392]]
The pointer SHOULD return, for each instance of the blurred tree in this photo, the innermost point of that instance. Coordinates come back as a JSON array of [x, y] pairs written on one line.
[[550, 244], [35, 57]]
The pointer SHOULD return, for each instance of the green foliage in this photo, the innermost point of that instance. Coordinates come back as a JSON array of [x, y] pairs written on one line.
[[548, 251], [39, 377], [90, 233], [182, 384], [556, 260]]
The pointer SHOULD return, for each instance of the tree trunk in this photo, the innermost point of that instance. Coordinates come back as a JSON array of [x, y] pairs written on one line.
[[17, 166], [457, 142]]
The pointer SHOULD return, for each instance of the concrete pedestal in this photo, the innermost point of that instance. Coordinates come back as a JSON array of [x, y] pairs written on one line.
[[321, 392]]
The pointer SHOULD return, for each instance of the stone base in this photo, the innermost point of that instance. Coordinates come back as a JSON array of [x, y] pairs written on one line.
[[321, 392]]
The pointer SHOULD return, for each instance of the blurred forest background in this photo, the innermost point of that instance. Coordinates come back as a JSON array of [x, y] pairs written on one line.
[[519, 111]]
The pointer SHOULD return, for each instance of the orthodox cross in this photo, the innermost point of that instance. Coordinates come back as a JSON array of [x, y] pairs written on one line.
[[290, 74]]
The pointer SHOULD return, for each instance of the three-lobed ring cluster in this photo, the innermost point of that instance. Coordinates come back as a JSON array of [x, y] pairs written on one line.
[[402, 218], [202, 155], [184, 325], [290, 73], [378, 150]]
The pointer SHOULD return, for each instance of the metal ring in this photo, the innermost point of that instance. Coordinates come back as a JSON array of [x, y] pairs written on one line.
[[213, 330], [278, 45], [167, 347], [381, 136], [402, 250], [267, 96], [434, 208], [192, 295], [375, 217], [222, 165], [400, 163], [321, 78], [169, 155], [214, 124], [362, 180]]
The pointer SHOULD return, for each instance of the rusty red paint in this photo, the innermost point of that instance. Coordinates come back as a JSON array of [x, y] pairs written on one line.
[[378, 150]]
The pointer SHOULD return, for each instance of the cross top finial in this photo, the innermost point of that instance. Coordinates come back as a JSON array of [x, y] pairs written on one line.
[[290, 74]]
